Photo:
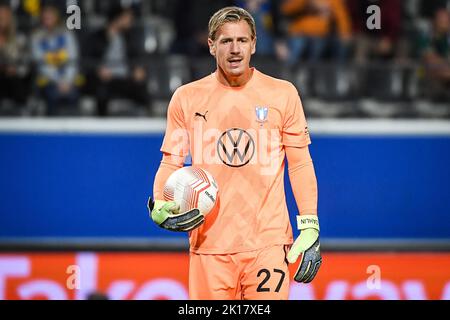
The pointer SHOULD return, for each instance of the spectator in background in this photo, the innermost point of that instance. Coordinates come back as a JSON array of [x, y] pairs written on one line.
[[428, 8], [312, 24], [435, 53], [26, 14], [262, 12], [14, 82], [105, 7], [55, 52], [190, 18], [376, 45], [115, 68]]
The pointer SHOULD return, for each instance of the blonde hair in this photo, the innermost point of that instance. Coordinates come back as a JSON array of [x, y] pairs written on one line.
[[230, 14]]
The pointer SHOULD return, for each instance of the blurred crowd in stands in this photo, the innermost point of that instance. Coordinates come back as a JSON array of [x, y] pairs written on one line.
[[137, 52]]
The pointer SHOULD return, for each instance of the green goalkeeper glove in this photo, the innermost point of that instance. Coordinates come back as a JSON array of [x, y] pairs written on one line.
[[166, 214], [307, 245]]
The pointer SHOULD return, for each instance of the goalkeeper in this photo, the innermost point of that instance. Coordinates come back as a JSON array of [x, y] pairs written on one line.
[[240, 125]]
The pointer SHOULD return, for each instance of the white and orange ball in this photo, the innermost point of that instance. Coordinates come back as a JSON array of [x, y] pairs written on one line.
[[192, 187]]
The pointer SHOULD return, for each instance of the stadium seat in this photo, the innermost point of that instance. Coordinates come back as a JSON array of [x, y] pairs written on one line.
[[301, 78], [385, 83], [150, 39], [428, 109], [328, 90], [373, 108], [166, 74], [269, 65], [318, 108], [202, 66], [159, 34], [334, 82]]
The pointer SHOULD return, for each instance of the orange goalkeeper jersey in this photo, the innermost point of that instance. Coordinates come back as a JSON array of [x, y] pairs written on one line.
[[238, 134]]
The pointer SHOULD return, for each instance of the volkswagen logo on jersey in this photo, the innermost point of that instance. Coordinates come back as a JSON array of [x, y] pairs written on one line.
[[235, 147], [261, 114]]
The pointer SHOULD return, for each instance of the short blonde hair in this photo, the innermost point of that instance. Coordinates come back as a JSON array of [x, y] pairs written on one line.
[[230, 14]]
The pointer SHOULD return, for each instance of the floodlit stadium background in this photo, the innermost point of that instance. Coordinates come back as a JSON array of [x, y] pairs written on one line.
[[73, 188]]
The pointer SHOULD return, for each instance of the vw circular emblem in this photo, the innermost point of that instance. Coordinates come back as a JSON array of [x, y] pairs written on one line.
[[236, 147]]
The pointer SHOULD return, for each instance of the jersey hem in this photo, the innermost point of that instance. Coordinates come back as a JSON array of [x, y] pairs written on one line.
[[242, 250]]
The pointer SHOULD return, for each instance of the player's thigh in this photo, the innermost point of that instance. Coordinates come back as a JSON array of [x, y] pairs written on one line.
[[268, 277], [213, 277]]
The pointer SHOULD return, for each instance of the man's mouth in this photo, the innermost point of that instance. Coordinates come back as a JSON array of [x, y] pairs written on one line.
[[235, 61]]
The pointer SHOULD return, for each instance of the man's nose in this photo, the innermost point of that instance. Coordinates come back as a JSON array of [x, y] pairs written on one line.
[[235, 47]]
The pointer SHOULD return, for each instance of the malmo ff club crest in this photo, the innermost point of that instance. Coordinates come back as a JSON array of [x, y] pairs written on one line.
[[235, 147]]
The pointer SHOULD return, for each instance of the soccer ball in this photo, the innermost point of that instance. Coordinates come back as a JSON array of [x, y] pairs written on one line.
[[192, 187]]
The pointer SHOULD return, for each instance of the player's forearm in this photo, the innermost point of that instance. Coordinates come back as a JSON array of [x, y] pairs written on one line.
[[169, 164], [303, 179]]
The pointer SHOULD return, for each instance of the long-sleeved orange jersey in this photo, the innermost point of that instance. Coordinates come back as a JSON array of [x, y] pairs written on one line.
[[241, 135]]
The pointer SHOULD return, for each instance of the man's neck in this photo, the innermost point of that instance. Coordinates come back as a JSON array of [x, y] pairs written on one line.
[[238, 81]]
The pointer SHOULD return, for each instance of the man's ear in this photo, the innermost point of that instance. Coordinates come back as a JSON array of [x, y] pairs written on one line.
[[254, 45], [212, 47]]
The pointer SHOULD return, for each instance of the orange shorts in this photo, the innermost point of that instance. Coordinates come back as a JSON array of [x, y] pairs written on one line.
[[255, 275]]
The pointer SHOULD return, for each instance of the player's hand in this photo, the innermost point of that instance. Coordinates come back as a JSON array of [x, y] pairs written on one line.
[[308, 246], [167, 215]]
